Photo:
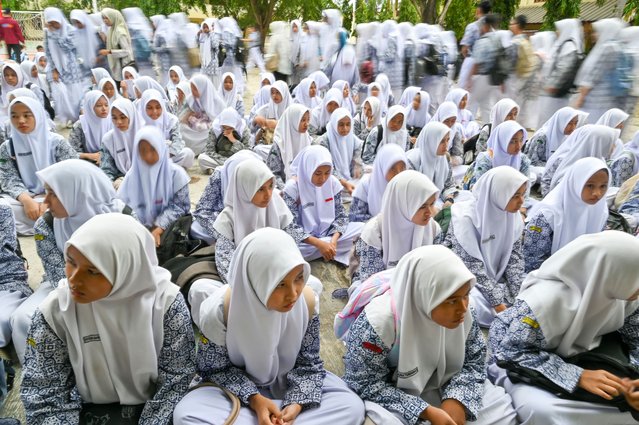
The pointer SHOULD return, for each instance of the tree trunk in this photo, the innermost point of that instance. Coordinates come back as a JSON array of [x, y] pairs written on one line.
[[442, 17], [428, 11]]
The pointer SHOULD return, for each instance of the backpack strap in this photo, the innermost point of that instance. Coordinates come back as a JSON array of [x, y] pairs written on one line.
[[48, 218], [127, 210], [380, 136]]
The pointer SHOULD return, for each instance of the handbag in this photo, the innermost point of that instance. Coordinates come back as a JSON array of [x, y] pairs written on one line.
[[273, 62], [611, 355], [235, 401], [193, 54]]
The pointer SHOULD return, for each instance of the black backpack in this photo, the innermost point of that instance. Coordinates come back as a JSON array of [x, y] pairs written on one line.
[[503, 64], [380, 135], [187, 268], [567, 82], [176, 240], [431, 63]]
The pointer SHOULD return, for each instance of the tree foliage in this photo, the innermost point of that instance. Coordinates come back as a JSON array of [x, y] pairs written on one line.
[[460, 13], [507, 8], [631, 12], [557, 10], [408, 13]]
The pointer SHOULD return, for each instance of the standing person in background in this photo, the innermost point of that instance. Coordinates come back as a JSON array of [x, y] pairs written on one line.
[[522, 82], [254, 40], [472, 33], [483, 61], [118, 43], [87, 41], [11, 34], [280, 46]]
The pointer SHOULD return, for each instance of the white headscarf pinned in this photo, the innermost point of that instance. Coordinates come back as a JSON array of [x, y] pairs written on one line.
[[418, 118], [149, 189], [407, 96], [87, 38], [387, 157], [128, 321], [15, 67], [498, 142], [171, 88], [209, 101], [27, 67], [316, 204], [121, 146], [166, 121], [227, 170], [375, 105], [287, 136], [33, 151], [500, 111], [321, 114], [275, 110], [482, 225], [433, 166], [302, 96], [347, 102], [398, 137], [341, 147], [555, 127], [229, 97], [58, 56], [229, 118], [429, 354], [580, 292], [94, 127], [240, 217], [393, 231], [565, 211], [607, 31], [84, 191], [109, 80]]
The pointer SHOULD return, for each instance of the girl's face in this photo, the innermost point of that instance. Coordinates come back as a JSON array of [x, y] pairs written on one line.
[[368, 111], [595, 188], [424, 213], [375, 92], [517, 201], [42, 62], [264, 194], [571, 126], [295, 28], [175, 78], [397, 168], [34, 72], [120, 121], [288, 291], [154, 109], [101, 108], [148, 153], [344, 126], [345, 92], [53, 26], [205, 29], [450, 314], [194, 91], [395, 124], [108, 90], [265, 82], [228, 83], [304, 122], [515, 144], [620, 125], [22, 118], [276, 96], [417, 100], [331, 107], [321, 175], [512, 115], [10, 76], [450, 122], [53, 202], [77, 24], [463, 102], [312, 90], [442, 147], [128, 76], [86, 283]]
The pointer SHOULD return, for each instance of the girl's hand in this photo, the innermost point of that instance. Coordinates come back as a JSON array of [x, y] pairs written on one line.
[[157, 235], [266, 411], [601, 383], [289, 413]]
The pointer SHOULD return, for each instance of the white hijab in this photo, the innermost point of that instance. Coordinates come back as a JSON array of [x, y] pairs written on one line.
[[607, 31], [498, 141], [205, 41], [94, 127], [302, 96], [59, 56], [407, 96], [229, 118], [26, 67], [633, 148], [165, 122], [287, 136], [564, 210], [275, 110], [398, 137], [321, 115], [87, 38], [132, 71], [392, 231], [556, 125], [209, 102], [253, 276], [121, 143], [385, 92], [110, 80], [229, 97], [418, 118], [375, 105], [172, 88], [569, 29], [387, 156], [429, 354], [433, 166], [84, 191], [240, 217], [128, 321], [482, 225], [592, 140], [613, 117], [500, 111], [342, 147], [580, 293], [316, 204], [149, 189], [98, 75], [34, 151], [347, 102], [321, 80], [227, 170], [6, 88]]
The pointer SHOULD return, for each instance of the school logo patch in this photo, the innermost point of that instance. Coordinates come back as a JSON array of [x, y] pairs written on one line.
[[535, 229], [407, 374], [371, 347], [91, 338], [530, 322]]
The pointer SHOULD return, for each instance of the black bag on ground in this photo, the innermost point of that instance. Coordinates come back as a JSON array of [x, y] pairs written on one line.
[[177, 240], [616, 221], [612, 355], [110, 414], [185, 269]]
